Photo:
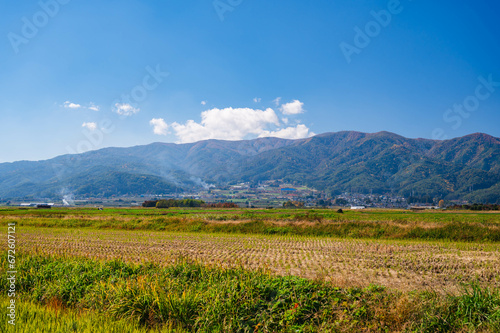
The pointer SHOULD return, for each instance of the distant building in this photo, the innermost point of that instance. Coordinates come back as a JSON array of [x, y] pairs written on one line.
[[358, 207], [423, 207], [37, 205], [43, 206]]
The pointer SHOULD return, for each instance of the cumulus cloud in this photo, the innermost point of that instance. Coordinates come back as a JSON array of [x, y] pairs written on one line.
[[160, 127], [294, 107], [125, 109], [90, 126], [203, 102], [75, 106], [226, 124], [71, 105], [94, 107], [299, 132], [277, 101], [257, 99]]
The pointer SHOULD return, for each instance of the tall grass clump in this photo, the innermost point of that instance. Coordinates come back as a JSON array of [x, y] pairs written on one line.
[[33, 318], [476, 309]]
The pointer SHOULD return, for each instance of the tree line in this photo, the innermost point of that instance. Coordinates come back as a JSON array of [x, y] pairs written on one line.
[[477, 206]]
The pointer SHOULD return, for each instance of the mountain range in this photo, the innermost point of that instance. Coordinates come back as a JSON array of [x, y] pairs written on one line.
[[465, 168]]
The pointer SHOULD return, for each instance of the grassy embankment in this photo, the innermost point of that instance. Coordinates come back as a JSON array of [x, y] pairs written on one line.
[[376, 224]]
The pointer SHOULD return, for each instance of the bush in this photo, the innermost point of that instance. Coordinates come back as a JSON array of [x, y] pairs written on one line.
[[179, 203], [149, 203]]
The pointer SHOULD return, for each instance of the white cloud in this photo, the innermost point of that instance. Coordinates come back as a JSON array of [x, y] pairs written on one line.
[[71, 105], [277, 101], [94, 107], [284, 120], [294, 107], [299, 132], [257, 99], [125, 109], [159, 126], [203, 102], [226, 124], [90, 126]]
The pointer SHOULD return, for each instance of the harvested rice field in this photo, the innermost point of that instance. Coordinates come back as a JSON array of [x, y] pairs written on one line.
[[402, 265]]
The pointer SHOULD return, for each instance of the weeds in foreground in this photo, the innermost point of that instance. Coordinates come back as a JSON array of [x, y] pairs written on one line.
[[192, 297]]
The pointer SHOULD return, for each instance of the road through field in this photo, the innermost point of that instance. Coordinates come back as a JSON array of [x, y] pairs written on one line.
[[400, 265]]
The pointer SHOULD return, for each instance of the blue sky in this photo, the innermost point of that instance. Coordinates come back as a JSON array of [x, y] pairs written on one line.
[[240, 69]]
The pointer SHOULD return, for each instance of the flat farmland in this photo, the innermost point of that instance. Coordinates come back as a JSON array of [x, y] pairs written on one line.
[[403, 265], [232, 270]]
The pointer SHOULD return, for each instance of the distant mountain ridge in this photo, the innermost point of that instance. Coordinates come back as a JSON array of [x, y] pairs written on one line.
[[461, 168]]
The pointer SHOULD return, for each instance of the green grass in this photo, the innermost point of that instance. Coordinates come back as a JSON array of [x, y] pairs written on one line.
[[386, 215], [390, 225], [71, 294], [476, 309], [36, 318]]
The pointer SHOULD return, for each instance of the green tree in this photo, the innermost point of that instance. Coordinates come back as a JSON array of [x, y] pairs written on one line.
[[162, 204], [149, 203], [341, 202]]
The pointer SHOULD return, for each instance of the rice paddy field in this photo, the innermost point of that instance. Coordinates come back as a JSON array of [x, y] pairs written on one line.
[[233, 270]]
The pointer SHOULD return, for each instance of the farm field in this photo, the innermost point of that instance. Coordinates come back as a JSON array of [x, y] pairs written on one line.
[[402, 265], [373, 270]]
